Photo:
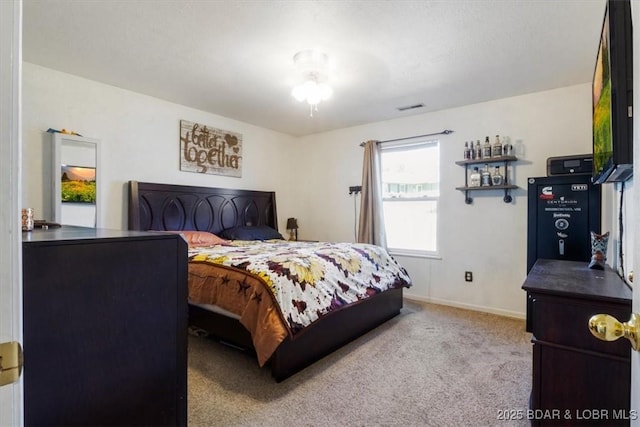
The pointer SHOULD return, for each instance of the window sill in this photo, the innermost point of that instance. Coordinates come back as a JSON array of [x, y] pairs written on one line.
[[414, 254]]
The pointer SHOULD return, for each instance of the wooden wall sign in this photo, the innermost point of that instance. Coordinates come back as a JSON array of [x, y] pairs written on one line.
[[205, 149]]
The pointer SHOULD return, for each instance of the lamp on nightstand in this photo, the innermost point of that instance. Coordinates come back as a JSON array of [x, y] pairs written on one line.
[[292, 226]]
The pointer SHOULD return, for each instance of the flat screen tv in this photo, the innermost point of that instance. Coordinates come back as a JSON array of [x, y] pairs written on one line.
[[612, 91]]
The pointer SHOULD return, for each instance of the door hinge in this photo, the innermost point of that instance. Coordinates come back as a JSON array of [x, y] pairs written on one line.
[[10, 362]]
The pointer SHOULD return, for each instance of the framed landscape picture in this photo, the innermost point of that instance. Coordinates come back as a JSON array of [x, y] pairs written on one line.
[[78, 184]]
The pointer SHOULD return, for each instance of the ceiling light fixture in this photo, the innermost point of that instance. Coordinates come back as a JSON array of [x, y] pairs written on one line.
[[313, 66]]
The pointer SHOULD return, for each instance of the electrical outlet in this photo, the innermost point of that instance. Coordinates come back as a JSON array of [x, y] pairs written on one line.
[[468, 276]]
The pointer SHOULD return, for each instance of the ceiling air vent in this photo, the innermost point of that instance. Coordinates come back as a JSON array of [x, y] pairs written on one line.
[[410, 107]]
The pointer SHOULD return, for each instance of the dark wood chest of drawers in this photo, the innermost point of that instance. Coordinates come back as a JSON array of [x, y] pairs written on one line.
[[584, 380], [105, 319]]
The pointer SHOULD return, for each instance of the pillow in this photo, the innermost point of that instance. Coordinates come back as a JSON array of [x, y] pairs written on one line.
[[200, 238], [259, 232]]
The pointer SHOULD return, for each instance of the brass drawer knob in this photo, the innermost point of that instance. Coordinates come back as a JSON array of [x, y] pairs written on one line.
[[607, 328]]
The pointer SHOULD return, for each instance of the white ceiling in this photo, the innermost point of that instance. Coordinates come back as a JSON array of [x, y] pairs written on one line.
[[235, 58]]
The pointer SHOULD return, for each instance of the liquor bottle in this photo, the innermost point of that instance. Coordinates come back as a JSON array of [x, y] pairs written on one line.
[[478, 150], [474, 178], [496, 148], [486, 149], [485, 176], [507, 149], [467, 152], [496, 178]]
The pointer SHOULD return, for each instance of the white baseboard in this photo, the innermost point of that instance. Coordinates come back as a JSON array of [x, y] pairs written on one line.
[[506, 313]]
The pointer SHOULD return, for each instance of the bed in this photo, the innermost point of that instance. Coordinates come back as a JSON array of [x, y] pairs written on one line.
[[178, 208]]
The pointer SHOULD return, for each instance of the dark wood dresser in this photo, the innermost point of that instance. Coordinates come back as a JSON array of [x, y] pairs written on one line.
[[105, 322], [577, 379]]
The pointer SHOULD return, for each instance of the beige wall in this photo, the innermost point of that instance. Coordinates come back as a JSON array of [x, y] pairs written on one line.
[[139, 140], [487, 237], [311, 175]]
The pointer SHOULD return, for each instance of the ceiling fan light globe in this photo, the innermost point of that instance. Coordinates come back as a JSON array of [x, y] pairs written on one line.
[[313, 98], [299, 93]]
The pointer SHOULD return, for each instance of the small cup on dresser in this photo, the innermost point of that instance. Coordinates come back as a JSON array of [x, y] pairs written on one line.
[[27, 219]]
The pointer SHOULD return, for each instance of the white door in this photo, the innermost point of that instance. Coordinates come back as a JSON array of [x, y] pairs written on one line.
[[11, 412], [635, 355]]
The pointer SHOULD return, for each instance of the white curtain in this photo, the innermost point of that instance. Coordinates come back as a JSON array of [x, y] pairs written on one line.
[[371, 224]]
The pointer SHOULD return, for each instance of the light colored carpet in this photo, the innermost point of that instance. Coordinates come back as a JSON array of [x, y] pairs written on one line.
[[430, 366]]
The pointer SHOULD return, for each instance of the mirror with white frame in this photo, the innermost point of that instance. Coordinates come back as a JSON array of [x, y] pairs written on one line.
[[75, 183]]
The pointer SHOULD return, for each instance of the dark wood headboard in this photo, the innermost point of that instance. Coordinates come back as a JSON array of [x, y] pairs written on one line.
[[181, 207]]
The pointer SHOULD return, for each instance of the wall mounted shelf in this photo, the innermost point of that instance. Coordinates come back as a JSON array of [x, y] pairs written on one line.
[[506, 160]]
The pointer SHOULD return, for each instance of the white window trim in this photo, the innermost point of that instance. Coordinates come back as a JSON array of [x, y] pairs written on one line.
[[398, 146], [414, 254]]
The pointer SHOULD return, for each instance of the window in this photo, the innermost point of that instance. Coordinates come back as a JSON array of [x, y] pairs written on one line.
[[410, 192]]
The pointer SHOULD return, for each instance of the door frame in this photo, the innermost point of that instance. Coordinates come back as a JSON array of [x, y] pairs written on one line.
[[11, 396], [635, 355]]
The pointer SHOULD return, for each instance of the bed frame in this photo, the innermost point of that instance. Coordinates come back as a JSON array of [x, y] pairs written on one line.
[[177, 207]]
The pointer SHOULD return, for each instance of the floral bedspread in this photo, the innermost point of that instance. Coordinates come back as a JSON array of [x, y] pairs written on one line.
[[310, 279]]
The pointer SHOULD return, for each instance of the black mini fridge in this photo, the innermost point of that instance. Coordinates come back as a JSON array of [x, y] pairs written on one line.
[[562, 212]]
